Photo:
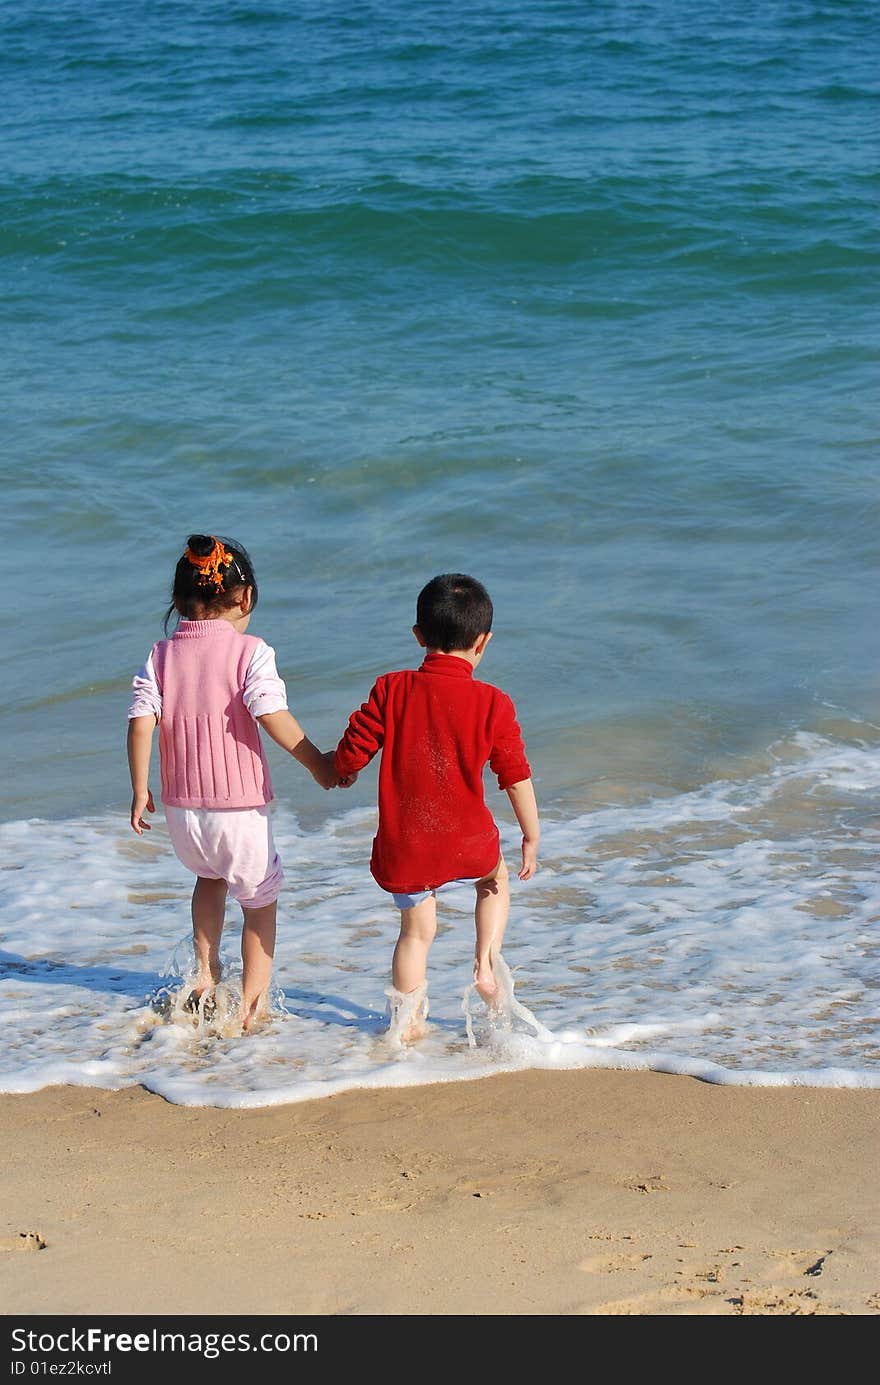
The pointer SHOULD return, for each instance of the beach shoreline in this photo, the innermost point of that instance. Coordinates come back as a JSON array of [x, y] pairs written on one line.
[[578, 1192]]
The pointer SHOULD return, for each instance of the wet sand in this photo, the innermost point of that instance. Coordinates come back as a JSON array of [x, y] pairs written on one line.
[[527, 1193]]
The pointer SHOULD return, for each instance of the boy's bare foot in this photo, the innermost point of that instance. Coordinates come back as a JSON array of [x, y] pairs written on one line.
[[416, 1029], [484, 980], [409, 1011]]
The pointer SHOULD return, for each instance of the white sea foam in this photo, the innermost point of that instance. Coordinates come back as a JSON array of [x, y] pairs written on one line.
[[727, 933]]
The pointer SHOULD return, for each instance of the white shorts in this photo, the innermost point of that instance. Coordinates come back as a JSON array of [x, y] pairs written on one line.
[[231, 844]]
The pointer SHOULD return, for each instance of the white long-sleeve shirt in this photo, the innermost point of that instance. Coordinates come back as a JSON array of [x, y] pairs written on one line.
[[263, 692]]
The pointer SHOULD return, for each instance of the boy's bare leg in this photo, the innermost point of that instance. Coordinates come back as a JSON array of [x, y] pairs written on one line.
[[208, 910], [417, 929], [490, 916], [257, 952]]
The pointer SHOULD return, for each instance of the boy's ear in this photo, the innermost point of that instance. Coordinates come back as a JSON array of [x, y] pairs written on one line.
[[482, 641], [420, 637]]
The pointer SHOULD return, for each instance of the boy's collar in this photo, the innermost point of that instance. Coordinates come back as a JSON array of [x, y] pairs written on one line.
[[452, 664]]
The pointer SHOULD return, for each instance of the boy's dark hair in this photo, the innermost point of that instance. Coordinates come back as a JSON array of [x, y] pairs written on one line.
[[452, 611], [195, 589]]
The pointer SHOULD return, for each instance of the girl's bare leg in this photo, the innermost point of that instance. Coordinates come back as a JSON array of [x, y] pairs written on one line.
[[208, 910], [490, 916], [257, 952]]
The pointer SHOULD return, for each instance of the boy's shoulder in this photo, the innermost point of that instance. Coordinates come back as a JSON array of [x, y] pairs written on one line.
[[485, 692], [494, 694], [394, 675], [491, 687]]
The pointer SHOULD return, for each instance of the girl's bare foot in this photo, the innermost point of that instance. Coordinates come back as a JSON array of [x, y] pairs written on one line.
[[201, 1003], [251, 1013]]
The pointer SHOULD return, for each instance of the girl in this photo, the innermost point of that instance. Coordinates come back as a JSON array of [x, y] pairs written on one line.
[[206, 688]]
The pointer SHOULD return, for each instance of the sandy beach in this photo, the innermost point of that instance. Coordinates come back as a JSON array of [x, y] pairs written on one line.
[[589, 1192]]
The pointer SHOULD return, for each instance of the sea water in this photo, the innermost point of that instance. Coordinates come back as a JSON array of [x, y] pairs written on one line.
[[725, 932], [578, 298]]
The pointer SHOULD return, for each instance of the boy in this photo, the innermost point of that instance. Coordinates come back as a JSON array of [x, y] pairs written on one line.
[[437, 727]]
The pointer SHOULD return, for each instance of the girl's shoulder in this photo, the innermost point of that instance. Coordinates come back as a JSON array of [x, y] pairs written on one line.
[[256, 646]]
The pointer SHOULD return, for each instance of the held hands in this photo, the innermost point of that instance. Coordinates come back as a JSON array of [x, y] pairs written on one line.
[[141, 803], [326, 775], [286, 731], [529, 859]]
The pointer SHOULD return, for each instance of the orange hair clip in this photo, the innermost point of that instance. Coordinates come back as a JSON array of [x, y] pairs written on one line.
[[209, 566]]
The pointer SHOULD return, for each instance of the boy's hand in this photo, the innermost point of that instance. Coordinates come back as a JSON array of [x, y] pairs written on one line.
[[522, 798], [347, 781], [529, 859], [141, 803]]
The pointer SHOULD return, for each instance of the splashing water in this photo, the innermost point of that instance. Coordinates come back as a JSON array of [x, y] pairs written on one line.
[[407, 1013], [217, 1010], [503, 1011]]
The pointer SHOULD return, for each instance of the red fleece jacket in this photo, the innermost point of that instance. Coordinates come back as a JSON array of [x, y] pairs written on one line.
[[436, 727]]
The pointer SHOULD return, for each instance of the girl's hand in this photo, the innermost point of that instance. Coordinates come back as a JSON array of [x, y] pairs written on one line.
[[324, 771], [140, 804], [529, 858], [328, 778]]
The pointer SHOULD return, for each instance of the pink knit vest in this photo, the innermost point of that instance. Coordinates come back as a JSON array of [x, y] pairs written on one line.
[[209, 744]]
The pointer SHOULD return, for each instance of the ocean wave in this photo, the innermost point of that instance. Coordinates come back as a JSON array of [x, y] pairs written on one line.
[[724, 933], [281, 229]]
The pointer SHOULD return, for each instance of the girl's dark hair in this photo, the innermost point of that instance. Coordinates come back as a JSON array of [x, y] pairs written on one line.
[[453, 610], [195, 590]]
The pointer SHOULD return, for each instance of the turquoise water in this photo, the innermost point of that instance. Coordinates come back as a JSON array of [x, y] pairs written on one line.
[[580, 298]]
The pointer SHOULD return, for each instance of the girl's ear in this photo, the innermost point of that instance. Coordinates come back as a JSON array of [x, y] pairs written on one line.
[[246, 602]]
